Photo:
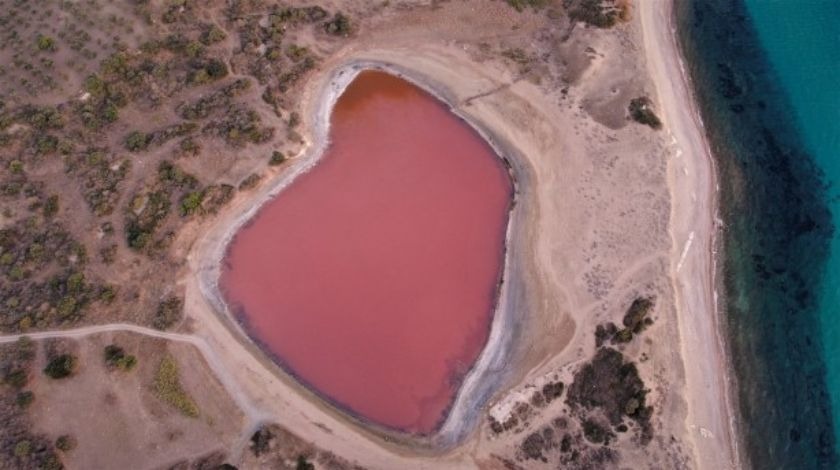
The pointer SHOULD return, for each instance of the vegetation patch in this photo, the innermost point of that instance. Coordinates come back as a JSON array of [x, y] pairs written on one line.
[[636, 320], [277, 158], [521, 5], [339, 25], [145, 216], [204, 106], [168, 313], [261, 441], [552, 391], [598, 13], [61, 366], [240, 126], [250, 182], [641, 111], [613, 386], [100, 175], [167, 386], [116, 358], [66, 443]]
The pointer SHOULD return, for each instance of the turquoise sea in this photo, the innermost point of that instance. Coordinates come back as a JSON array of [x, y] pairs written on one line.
[[766, 74], [802, 42]]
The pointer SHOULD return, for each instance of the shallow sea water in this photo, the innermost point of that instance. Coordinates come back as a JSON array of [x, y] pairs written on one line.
[[766, 74]]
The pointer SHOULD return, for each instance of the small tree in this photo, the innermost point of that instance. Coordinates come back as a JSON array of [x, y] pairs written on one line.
[[51, 206], [24, 399], [303, 464], [339, 25], [191, 202], [16, 378], [23, 448], [65, 443], [641, 111], [169, 312], [136, 141], [115, 357], [277, 158], [61, 366]]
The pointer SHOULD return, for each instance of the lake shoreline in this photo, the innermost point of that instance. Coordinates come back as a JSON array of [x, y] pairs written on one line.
[[478, 385]]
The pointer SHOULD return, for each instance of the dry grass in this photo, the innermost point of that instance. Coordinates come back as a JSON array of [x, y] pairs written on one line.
[[168, 388]]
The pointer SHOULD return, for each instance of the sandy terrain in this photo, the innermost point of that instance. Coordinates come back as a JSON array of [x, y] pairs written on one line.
[[693, 228]]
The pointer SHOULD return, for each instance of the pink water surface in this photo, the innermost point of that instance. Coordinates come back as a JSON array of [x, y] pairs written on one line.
[[373, 277]]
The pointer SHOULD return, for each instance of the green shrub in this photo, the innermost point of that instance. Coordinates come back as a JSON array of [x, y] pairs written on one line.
[[194, 49], [46, 43], [339, 25], [142, 224], [596, 433], [17, 378], [636, 318], [252, 180], [212, 70], [115, 357], [24, 399], [16, 166], [191, 202], [211, 35], [294, 119], [23, 448], [641, 111], [173, 176], [520, 5], [624, 335], [25, 348], [168, 388], [51, 206], [261, 440], [95, 85], [303, 464], [65, 443], [107, 293], [277, 158], [61, 366], [136, 141], [598, 13], [168, 313]]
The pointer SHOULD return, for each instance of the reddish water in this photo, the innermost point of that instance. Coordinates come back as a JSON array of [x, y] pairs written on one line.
[[373, 277]]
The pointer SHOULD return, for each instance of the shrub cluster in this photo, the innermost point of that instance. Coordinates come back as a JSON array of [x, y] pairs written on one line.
[[61, 366], [168, 313], [598, 13], [641, 111], [116, 358]]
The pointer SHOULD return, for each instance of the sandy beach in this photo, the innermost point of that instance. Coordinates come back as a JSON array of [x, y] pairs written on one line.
[[711, 414]]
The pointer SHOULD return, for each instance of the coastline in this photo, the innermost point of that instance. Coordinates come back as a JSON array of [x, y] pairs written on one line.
[[709, 388], [777, 207]]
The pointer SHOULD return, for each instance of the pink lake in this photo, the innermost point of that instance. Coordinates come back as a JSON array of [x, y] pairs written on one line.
[[373, 277]]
